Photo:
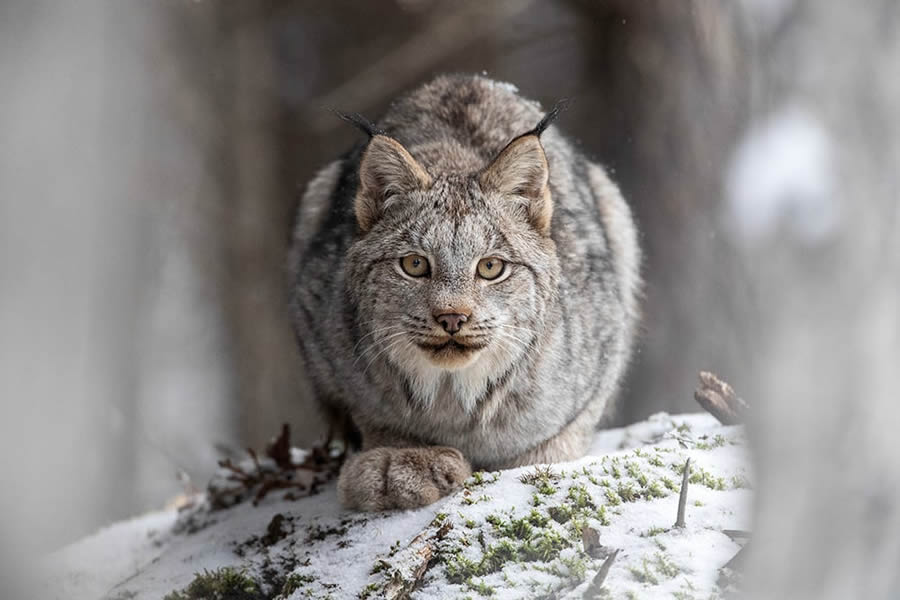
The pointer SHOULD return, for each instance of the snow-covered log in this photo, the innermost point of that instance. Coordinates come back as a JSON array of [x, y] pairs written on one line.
[[601, 526]]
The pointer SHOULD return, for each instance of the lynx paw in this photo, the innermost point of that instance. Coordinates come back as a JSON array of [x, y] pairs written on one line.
[[385, 478]]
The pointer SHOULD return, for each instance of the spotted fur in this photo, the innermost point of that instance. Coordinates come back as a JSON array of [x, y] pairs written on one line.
[[554, 334]]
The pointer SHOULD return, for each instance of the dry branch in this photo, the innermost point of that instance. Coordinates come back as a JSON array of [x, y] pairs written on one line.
[[279, 472], [720, 400], [682, 496], [420, 552], [593, 590]]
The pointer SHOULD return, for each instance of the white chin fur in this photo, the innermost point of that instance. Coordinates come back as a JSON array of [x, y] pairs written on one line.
[[465, 381]]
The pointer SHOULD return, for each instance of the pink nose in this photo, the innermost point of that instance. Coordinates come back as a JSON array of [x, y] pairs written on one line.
[[451, 322]]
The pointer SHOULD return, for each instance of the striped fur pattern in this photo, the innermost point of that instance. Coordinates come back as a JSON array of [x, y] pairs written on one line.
[[545, 344]]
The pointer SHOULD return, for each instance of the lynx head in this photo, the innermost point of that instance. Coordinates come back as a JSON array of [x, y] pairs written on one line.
[[452, 271]]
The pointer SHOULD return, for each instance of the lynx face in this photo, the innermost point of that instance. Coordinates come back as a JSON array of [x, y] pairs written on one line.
[[452, 272]]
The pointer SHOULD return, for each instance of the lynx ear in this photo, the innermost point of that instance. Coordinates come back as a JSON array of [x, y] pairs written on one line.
[[521, 171], [386, 170]]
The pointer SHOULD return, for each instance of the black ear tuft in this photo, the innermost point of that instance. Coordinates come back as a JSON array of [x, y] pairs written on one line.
[[551, 116], [360, 122]]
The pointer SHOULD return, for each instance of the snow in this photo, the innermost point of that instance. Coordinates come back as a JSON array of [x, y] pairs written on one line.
[[339, 550]]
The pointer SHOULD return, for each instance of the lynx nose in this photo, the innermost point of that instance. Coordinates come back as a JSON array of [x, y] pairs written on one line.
[[451, 322]]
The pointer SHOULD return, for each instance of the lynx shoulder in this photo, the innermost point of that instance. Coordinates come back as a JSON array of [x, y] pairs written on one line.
[[465, 291]]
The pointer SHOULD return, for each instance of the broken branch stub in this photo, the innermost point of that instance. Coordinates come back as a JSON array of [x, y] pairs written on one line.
[[682, 496], [593, 590], [720, 400]]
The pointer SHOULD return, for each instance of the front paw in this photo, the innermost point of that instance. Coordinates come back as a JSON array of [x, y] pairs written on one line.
[[385, 478]]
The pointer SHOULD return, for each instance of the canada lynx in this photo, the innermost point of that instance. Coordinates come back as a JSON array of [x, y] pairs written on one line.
[[464, 290]]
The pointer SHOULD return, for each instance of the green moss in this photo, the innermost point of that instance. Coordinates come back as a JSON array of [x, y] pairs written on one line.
[[519, 529], [678, 468], [540, 474], [379, 566], [654, 490], [670, 485], [470, 524], [368, 591], [576, 566], [632, 469], [740, 482], [226, 583], [644, 574], [561, 514], [654, 531], [544, 547], [546, 488], [664, 567], [580, 497], [611, 498], [602, 516], [701, 476], [294, 582], [481, 587], [655, 461], [460, 569], [626, 492], [496, 556], [470, 500], [537, 519]]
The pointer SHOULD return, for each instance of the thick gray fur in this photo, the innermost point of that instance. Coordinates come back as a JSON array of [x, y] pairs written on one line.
[[558, 330]]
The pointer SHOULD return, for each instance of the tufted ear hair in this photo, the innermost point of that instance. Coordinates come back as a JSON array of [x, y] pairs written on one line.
[[521, 172], [386, 170]]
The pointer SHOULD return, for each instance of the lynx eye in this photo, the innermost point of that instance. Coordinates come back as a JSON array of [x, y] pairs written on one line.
[[490, 268], [415, 265]]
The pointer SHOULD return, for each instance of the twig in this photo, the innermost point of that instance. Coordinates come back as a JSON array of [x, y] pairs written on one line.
[[279, 449], [258, 480], [422, 548], [720, 400], [594, 588], [682, 496]]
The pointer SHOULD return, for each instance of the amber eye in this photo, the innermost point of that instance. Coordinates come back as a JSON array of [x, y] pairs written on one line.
[[414, 265], [490, 268]]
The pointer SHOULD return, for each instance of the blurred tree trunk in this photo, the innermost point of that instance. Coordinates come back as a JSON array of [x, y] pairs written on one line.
[[268, 372], [665, 98]]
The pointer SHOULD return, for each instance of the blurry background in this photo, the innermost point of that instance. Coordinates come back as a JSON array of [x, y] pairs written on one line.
[[152, 155]]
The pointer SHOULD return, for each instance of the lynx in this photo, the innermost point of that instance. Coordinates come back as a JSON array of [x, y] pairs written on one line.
[[465, 289]]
